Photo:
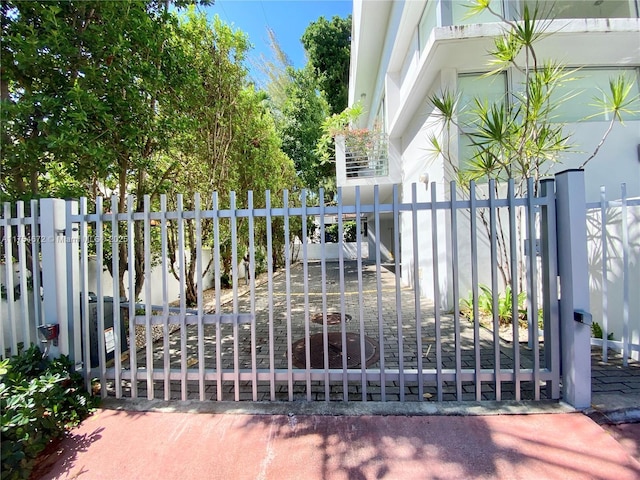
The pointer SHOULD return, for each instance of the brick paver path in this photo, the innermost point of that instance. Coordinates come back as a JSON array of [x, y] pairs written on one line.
[[291, 320]]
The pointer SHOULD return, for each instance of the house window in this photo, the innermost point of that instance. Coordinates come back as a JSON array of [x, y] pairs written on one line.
[[491, 90], [460, 11], [586, 90], [583, 9], [428, 22]]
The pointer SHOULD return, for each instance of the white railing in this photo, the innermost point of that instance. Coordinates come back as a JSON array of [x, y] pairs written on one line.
[[362, 155], [613, 228], [368, 157]]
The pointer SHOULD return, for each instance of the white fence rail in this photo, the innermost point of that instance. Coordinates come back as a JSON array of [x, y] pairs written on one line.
[[246, 347], [613, 227], [361, 335]]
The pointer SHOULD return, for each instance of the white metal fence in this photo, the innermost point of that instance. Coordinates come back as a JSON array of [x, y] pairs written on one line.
[[344, 330], [613, 227]]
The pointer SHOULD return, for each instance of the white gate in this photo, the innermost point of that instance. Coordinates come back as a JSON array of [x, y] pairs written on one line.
[[345, 330]]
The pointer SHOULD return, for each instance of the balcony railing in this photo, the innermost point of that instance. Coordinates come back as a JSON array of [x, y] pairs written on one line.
[[366, 156]]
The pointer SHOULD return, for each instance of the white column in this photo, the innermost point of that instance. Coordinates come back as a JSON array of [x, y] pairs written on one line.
[[54, 270], [72, 245], [574, 287]]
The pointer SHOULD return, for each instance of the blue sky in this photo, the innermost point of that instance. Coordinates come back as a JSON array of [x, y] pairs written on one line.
[[288, 19]]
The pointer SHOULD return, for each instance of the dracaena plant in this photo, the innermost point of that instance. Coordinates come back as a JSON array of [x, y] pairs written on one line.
[[518, 136]]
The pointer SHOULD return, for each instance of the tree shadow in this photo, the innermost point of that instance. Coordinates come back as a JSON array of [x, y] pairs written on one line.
[[61, 454], [433, 447]]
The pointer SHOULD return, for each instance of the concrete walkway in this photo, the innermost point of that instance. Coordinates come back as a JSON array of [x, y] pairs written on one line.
[[116, 444]]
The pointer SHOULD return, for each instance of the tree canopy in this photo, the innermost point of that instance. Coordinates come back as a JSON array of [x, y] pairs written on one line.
[[328, 47], [111, 97]]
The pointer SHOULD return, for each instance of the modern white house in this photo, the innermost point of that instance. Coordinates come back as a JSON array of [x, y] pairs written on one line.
[[404, 51]]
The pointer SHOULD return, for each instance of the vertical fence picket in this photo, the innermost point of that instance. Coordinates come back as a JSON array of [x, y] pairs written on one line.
[[99, 230], [493, 241], [533, 282], [305, 283], [183, 302], [343, 326], [515, 309], [133, 350], [252, 289], [3, 349], [199, 294], [234, 283], [22, 262], [166, 359], [272, 374], [626, 340], [605, 280], [363, 357], [146, 235], [115, 268], [417, 287], [35, 261], [436, 290], [473, 212], [9, 280], [287, 268], [323, 280], [218, 286], [381, 335], [84, 289], [396, 257], [455, 279]]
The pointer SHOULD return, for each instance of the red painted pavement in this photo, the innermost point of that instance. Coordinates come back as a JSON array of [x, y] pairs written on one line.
[[126, 445]]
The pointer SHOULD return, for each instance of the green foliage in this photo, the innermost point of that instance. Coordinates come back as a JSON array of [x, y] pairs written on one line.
[[40, 400], [349, 231], [333, 125], [596, 331], [505, 305], [518, 136], [86, 86], [328, 47], [300, 128], [331, 233]]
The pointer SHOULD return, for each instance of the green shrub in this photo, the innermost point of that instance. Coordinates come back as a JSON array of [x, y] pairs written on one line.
[[505, 311], [39, 400], [349, 232], [596, 331]]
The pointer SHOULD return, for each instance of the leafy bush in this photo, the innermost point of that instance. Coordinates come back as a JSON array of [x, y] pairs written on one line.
[[350, 231], [485, 305], [331, 233], [39, 400], [596, 331]]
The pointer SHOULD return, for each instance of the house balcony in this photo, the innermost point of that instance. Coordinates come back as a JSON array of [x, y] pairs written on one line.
[[365, 159]]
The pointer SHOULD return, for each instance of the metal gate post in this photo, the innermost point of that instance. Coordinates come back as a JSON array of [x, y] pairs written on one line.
[[550, 307], [575, 321]]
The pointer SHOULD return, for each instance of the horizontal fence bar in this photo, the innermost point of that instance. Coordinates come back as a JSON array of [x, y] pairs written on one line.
[[336, 375], [446, 205]]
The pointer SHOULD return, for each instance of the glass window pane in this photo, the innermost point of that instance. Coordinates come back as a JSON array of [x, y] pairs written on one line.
[[585, 93], [583, 8], [460, 10], [427, 23], [490, 89]]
